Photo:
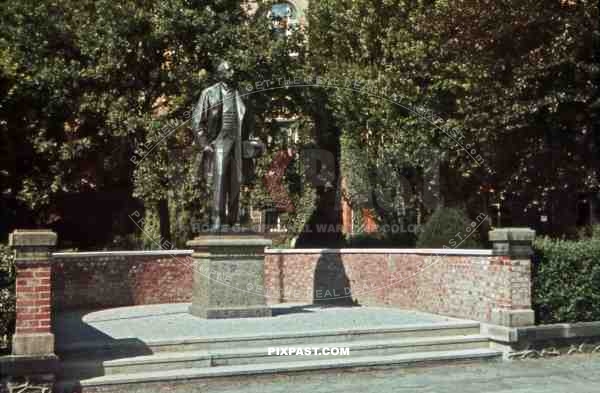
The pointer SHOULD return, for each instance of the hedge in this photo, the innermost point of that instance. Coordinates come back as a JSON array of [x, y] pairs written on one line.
[[566, 280], [7, 296]]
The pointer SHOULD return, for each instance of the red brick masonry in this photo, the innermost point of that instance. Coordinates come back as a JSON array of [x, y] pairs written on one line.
[[465, 284], [459, 285], [33, 298], [113, 279]]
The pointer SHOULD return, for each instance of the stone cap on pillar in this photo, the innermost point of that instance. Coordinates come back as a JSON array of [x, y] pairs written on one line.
[[32, 244], [514, 242], [229, 245], [230, 241], [32, 237]]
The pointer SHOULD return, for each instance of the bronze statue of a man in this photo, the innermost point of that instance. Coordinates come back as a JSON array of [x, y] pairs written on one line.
[[217, 121]]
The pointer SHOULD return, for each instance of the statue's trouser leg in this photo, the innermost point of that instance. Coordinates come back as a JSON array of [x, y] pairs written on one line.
[[233, 191], [222, 158]]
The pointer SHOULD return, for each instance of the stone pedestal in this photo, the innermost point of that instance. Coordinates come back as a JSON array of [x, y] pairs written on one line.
[[229, 276]]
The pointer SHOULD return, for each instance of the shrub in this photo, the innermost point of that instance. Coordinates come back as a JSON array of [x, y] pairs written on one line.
[[449, 227], [377, 240], [566, 280], [591, 231], [7, 295], [132, 241]]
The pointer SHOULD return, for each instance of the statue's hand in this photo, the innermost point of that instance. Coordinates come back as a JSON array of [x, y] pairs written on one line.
[[201, 139], [208, 149]]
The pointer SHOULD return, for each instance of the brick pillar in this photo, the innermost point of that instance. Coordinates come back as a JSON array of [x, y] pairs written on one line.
[[515, 244], [33, 333]]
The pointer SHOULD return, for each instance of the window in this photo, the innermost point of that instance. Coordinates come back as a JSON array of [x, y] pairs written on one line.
[[284, 18]]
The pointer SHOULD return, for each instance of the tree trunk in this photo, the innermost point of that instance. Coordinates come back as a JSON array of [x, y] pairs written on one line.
[[164, 222]]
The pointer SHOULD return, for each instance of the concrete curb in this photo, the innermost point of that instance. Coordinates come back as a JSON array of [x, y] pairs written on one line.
[[561, 334]]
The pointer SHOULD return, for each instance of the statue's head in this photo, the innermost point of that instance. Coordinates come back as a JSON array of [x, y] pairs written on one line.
[[224, 70]]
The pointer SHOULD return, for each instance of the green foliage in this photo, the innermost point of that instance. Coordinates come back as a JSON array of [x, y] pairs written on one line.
[[379, 240], [449, 228], [132, 241], [79, 75], [7, 295], [85, 86], [354, 166], [477, 85], [168, 172], [151, 239], [169, 169], [365, 189], [590, 231], [566, 280], [303, 199], [299, 189], [358, 221], [381, 185]]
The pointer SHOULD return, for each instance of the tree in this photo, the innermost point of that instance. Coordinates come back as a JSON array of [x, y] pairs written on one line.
[[86, 85], [76, 77], [506, 87]]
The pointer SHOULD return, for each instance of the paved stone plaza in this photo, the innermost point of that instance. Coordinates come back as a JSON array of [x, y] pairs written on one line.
[[158, 322], [567, 374], [573, 374]]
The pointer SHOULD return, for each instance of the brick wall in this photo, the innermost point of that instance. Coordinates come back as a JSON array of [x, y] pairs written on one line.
[[459, 285], [33, 298], [113, 279]]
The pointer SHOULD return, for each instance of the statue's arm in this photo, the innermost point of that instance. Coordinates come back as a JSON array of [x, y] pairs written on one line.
[[200, 119]]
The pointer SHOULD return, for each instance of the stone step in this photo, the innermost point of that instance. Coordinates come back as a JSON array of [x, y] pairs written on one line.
[[161, 379], [133, 347], [230, 357]]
